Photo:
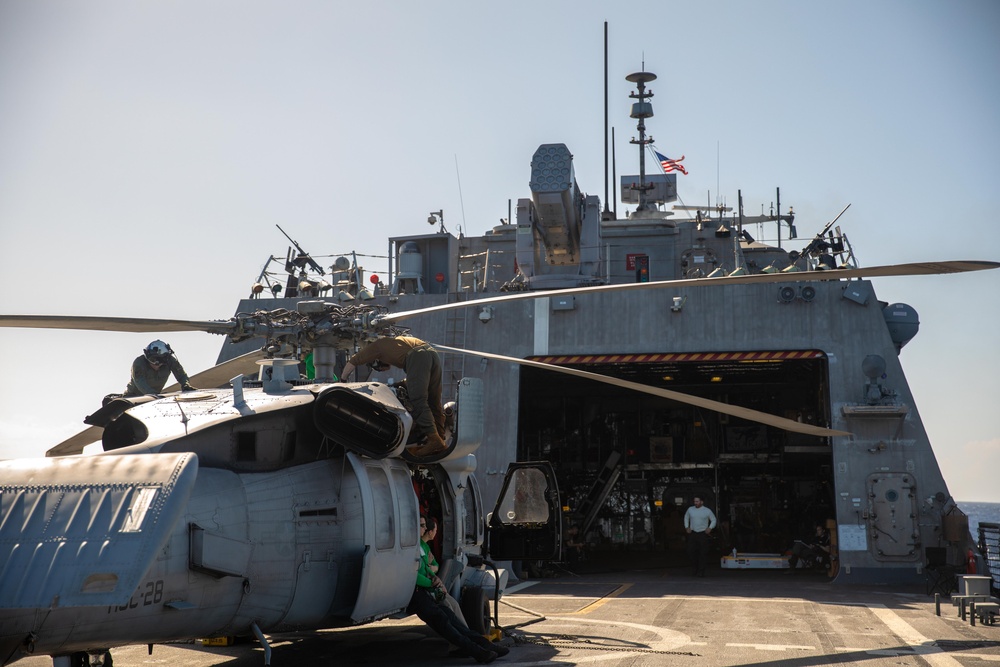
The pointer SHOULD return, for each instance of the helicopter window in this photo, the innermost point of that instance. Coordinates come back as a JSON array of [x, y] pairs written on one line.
[[524, 501], [407, 508], [246, 446], [384, 514]]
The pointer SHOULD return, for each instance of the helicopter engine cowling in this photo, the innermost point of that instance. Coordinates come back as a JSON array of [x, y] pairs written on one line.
[[370, 421]]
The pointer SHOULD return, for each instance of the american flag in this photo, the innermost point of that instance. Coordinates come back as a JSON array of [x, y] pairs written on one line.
[[671, 165]]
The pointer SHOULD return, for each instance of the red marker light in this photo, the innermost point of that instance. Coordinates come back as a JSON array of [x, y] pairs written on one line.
[[439, 277], [373, 279]]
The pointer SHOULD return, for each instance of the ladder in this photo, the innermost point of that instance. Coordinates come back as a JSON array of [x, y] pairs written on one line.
[[598, 494], [453, 365]]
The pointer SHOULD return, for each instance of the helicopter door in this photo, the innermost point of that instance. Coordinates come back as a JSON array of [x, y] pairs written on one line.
[[526, 523], [391, 537]]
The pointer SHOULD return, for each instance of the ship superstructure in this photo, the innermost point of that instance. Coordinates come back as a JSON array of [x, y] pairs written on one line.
[[823, 352]]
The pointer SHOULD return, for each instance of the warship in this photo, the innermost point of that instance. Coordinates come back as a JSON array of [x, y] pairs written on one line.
[[814, 345], [600, 372]]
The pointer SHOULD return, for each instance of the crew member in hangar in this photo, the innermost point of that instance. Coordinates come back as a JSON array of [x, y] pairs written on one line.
[[423, 383], [699, 522], [151, 370]]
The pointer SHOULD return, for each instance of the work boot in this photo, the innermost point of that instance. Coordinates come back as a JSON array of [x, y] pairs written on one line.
[[482, 655], [433, 444], [496, 648]]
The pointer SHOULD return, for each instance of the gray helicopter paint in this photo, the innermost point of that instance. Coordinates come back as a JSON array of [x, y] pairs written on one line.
[[55, 526], [197, 551]]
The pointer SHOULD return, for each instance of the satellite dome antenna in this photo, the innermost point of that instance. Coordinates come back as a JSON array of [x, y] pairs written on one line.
[[642, 110]]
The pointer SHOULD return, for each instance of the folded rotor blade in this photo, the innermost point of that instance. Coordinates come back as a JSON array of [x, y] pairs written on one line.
[[913, 269], [127, 324], [708, 404]]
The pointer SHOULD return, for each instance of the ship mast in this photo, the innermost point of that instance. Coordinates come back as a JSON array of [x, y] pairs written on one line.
[[642, 110]]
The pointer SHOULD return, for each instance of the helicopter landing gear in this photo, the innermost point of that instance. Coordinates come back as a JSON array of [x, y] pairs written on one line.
[[476, 609], [83, 659]]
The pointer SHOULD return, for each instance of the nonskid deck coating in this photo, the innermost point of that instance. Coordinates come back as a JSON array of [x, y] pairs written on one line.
[[651, 617]]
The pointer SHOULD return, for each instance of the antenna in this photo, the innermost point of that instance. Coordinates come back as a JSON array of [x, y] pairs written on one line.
[[461, 201], [778, 197], [614, 174], [606, 204]]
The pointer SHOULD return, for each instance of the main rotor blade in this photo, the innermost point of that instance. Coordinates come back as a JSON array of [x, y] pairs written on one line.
[[913, 269], [219, 376], [708, 404], [127, 324]]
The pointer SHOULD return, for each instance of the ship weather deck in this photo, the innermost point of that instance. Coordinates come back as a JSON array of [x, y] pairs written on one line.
[[652, 617]]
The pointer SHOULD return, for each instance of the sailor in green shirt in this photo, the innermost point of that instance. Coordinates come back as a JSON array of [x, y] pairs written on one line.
[[428, 604], [311, 369], [427, 573]]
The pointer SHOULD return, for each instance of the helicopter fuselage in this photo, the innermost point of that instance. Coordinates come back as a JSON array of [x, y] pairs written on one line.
[[235, 512]]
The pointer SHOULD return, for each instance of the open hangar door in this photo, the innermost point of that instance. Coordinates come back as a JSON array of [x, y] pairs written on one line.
[[629, 464]]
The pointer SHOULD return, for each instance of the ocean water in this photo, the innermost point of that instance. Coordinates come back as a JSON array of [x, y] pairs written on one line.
[[987, 512]]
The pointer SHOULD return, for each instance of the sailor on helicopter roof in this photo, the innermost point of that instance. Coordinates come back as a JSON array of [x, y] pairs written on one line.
[[423, 382], [150, 371]]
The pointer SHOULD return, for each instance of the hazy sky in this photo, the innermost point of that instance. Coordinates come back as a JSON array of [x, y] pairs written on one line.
[[147, 150]]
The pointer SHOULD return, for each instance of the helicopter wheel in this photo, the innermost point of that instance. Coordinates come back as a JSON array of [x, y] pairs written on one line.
[[476, 610], [82, 659]]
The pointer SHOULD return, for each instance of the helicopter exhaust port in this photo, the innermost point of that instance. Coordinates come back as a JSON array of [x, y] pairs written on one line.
[[372, 424]]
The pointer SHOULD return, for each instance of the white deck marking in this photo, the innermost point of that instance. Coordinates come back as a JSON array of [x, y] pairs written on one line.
[[921, 645], [773, 647]]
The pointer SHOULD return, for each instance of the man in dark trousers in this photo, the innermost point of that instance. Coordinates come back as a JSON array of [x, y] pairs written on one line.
[[699, 522], [810, 553], [423, 383], [425, 604]]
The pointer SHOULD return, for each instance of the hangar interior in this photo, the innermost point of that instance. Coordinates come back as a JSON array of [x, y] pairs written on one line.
[[629, 464]]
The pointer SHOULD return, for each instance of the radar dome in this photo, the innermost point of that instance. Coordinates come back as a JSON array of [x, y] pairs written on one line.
[[410, 260], [903, 323]]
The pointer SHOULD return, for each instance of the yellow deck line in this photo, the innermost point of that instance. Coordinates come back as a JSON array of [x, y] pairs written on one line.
[[598, 603]]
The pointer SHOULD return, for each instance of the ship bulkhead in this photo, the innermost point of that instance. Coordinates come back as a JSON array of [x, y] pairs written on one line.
[[630, 463]]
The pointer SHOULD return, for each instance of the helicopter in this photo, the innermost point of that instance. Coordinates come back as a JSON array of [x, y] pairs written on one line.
[[265, 502]]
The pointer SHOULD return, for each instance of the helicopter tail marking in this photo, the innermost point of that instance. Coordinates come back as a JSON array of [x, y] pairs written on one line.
[[82, 531]]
